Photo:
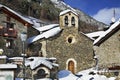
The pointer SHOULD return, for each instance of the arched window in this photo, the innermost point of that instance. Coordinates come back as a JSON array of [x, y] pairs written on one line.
[[73, 21], [41, 73], [66, 20]]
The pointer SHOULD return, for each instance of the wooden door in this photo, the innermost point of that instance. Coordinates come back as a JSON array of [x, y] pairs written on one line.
[[71, 66]]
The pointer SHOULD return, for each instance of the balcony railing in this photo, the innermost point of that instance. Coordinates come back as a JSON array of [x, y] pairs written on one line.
[[8, 32]]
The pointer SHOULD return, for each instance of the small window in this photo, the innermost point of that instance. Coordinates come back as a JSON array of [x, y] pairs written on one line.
[[73, 21], [71, 39], [66, 20], [9, 43], [10, 25]]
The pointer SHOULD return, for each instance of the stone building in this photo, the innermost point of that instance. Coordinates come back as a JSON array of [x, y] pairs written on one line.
[[107, 47], [73, 50], [35, 67], [12, 24]]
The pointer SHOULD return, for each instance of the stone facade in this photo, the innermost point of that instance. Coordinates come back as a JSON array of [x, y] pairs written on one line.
[[73, 50], [109, 51], [69, 19], [15, 42]]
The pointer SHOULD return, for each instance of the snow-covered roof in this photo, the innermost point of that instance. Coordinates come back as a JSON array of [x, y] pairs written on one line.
[[46, 27], [52, 58], [103, 35], [51, 30], [2, 57], [16, 58], [8, 66], [28, 19], [94, 34], [66, 11], [34, 62]]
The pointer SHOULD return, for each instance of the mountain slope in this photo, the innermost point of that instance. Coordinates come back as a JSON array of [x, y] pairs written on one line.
[[88, 22], [48, 10]]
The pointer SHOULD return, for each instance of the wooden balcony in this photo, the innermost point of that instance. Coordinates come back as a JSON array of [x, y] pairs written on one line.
[[8, 32]]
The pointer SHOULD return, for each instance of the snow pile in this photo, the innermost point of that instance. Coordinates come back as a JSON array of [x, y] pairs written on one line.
[[89, 74], [66, 75], [36, 79], [44, 79], [34, 62]]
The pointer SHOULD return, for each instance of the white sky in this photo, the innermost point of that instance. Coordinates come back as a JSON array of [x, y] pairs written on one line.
[[105, 15]]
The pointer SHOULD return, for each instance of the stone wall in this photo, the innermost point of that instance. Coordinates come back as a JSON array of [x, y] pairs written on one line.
[[17, 48], [109, 51], [79, 49]]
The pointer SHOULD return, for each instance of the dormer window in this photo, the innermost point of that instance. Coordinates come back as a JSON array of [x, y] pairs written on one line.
[[73, 21], [66, 20]]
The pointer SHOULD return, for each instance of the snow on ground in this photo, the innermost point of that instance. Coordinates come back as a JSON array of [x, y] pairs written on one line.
[[89, 74], [66, 75], [82, 75], [44, 79], [30, 79]]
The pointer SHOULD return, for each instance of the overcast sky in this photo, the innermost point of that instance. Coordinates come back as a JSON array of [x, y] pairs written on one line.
[[101, 10]]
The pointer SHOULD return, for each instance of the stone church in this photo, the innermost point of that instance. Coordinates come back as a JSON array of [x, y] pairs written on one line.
[[73, 50]]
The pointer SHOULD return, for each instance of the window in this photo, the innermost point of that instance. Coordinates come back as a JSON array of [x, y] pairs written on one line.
[[10, 25], [66, 20], [71, 39], [9, 43], [73, 21], [41, 73]]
